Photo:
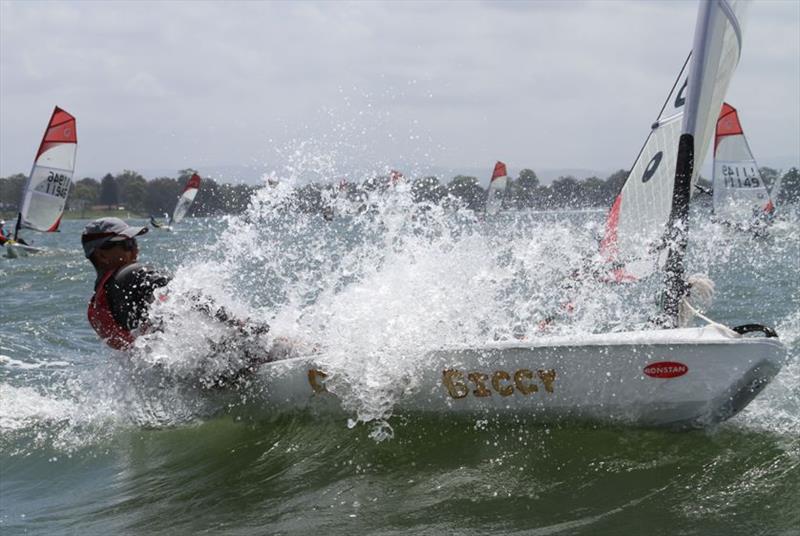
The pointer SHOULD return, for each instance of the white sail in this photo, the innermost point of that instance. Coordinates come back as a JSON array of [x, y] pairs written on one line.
[[654, 199], [718, 47], [496, 188], [186, 199], [775, 190], [48, 185], [639, 215], [739, 189]]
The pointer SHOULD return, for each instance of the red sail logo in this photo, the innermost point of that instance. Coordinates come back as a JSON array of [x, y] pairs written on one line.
[[666, 369]]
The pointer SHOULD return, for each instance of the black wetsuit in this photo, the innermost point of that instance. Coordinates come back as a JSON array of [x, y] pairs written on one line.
[[131, 291]]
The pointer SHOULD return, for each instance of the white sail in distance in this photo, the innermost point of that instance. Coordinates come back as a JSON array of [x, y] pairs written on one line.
[[739, 191], [497, 186], [186, 199], [775, 190], [48, 185]]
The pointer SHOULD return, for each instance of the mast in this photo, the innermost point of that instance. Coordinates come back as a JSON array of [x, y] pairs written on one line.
[[678, 229], [24, 193], [716, 51], [16, 226]]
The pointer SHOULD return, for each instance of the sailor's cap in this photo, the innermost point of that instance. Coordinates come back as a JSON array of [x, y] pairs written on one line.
[[105, 230]]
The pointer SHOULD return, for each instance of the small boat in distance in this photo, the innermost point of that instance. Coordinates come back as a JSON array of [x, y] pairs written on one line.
[[161, 225], [739, 192], [395, 177], [186, 199], [182, 207], [497, 187], [45, 194]]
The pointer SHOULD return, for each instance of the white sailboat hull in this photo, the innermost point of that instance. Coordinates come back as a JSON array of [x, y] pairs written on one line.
[[15, 250], [681, 378]]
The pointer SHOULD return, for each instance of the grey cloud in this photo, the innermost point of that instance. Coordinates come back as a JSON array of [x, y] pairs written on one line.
[[545, 84]]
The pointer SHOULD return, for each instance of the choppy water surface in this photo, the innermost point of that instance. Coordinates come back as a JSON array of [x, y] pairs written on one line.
[[97, 443]]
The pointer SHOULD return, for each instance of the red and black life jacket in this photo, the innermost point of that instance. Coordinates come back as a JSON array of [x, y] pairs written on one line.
[[102, 319]]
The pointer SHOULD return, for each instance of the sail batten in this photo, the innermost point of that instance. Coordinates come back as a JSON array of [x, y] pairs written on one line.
[[48, 185]]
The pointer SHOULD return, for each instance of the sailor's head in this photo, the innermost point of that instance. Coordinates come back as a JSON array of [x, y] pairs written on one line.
[[111, 243]]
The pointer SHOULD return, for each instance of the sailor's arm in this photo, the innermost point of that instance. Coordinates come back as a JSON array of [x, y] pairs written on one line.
[[131, 291]]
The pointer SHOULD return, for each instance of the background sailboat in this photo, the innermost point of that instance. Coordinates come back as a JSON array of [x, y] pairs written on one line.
[[45, 194], [182, 207], [775, 191], [497, 187], [162, 225], [186, 199], [740, 194]]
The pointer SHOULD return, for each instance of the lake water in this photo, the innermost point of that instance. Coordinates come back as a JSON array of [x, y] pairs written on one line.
[[93, 444]]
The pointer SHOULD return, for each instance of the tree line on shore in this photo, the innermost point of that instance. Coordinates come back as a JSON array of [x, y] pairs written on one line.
[[158, 196], [138, 195], [522, 192]]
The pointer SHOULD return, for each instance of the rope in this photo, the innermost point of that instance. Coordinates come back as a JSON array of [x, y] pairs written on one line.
[[702, 288], [710, 322]]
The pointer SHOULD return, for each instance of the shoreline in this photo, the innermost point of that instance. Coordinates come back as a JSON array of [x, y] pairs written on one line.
[[11, 217]]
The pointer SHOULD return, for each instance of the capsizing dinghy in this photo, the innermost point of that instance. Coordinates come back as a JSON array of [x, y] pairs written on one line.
[[182, 207], [185, 200], [665, 376]]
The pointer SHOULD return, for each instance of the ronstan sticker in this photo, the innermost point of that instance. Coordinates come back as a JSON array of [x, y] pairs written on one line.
[[666, 369]]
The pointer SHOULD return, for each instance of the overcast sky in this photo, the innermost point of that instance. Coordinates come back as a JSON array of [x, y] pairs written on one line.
[[336, 86]]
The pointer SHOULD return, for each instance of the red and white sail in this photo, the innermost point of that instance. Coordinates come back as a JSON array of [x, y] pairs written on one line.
[[48, 185], [646, 207], [739, 189], [186, 199], [395, 177], [496, 188]]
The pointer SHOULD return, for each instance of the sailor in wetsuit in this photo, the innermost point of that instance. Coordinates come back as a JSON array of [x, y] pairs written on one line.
[[124, 290]]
